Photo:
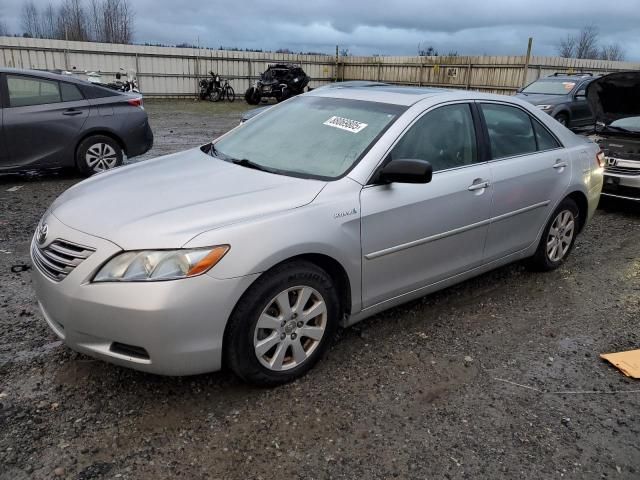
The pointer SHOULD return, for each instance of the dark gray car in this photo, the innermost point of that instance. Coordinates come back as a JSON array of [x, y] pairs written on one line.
[[562, 96], [50, 120]]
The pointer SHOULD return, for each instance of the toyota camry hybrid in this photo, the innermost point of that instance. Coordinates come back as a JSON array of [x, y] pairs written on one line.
[[250, 251]]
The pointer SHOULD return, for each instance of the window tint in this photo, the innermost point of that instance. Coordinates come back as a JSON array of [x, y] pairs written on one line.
[[24, 91], [445, 137], [70, 92], [510, 131], [546, 141]]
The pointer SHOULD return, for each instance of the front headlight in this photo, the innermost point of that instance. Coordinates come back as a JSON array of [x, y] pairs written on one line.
[[154, 265], [545, 107]]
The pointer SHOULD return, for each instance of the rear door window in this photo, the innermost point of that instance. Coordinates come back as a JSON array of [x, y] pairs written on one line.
[[25, 91], [510, 131], [70, 92], [545, 140]]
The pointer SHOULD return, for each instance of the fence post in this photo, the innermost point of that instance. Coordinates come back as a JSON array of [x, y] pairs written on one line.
[[525, 72], [138, 73], [336, 72], [469, 68]]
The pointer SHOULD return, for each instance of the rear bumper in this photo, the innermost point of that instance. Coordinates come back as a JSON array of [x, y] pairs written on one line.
[[139, 140]]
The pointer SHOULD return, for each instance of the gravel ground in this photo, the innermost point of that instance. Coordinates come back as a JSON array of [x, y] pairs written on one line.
[[420, 391]]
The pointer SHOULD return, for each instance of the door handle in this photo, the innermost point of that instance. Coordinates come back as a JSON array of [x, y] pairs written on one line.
[[71, 112], [560, 164], [478, 186]]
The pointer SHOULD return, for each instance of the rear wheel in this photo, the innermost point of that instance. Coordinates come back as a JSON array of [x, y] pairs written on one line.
[[558, 237], [282, 325], [230, 93], [98, 153], [563, 119]]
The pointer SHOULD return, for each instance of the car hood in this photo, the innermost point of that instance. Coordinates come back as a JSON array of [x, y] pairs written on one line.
[[615, 96], [163, 203], [540, 99]]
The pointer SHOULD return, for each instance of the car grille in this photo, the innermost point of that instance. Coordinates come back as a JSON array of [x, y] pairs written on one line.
[[622, 170], [59, 258]]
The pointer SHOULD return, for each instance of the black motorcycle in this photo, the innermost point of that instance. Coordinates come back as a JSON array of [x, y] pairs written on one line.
[[210, 88], [279, 81]]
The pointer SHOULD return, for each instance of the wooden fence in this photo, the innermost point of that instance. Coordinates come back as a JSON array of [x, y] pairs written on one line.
[[171, 72]]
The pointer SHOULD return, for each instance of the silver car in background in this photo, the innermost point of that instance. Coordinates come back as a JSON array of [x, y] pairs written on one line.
[[249, 252]]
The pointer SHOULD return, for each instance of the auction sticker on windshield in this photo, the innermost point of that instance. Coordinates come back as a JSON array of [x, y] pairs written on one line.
[[342, 123], [568, 85]]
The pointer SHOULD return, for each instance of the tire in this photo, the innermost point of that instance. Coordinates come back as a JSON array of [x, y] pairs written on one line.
[[97, 154], [230, 94], [252, 96], [264, 353], [566, 222], [215, 95], [563, 119]]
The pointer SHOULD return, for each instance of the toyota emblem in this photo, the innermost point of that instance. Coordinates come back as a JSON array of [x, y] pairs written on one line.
[[43, 231]]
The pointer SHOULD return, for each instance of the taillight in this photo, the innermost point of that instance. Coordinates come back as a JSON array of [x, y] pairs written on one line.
[[600, 159], [136, 102]]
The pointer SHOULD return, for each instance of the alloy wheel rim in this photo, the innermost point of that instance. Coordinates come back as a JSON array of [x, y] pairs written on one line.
[[101, 157], [560, 235], [290, 328]]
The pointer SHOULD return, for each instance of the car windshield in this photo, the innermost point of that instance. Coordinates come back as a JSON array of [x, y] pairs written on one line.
[[631, 124], [308, 136], [550, 87]]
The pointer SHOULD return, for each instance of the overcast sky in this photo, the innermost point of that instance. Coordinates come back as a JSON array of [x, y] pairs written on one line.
[[365, 27]]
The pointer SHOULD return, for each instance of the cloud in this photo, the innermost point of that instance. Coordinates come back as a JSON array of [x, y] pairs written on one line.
[[496, 27]]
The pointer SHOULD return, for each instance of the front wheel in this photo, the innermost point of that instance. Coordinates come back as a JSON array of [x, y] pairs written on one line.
[[215, 95], [282, 325], [252, 96], [557, 238], [97, 154], [230, 94]]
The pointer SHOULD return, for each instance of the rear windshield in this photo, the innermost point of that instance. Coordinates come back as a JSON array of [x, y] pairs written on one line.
[[309, 136], [550, 87]]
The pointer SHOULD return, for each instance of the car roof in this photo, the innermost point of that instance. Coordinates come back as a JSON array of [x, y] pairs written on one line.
[[402, 95], [43, 74]]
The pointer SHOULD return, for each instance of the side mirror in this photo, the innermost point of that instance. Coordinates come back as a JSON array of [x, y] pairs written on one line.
[[406, 171], [519, 90]]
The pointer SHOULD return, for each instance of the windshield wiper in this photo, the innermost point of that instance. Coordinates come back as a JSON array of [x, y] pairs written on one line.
[[245, 162]]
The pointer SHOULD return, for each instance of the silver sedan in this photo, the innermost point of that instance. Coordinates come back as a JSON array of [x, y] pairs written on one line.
[[250, 251]]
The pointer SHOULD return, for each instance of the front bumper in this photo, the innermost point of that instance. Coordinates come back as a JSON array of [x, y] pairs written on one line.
[[626, 187], [169, 328]]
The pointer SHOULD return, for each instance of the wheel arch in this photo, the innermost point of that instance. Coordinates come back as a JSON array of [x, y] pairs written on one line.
[[92, 133], [583, 207]]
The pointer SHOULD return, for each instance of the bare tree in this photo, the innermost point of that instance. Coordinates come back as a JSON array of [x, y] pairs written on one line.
[[582, 45], [587, 42], [612, 51], [48, 22], [31, 20], [83, 20], [3, 29], [567, 47]]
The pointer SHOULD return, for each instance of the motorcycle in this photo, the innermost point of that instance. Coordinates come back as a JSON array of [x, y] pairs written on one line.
[[210, 87], [280, 81], [128, 85]]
